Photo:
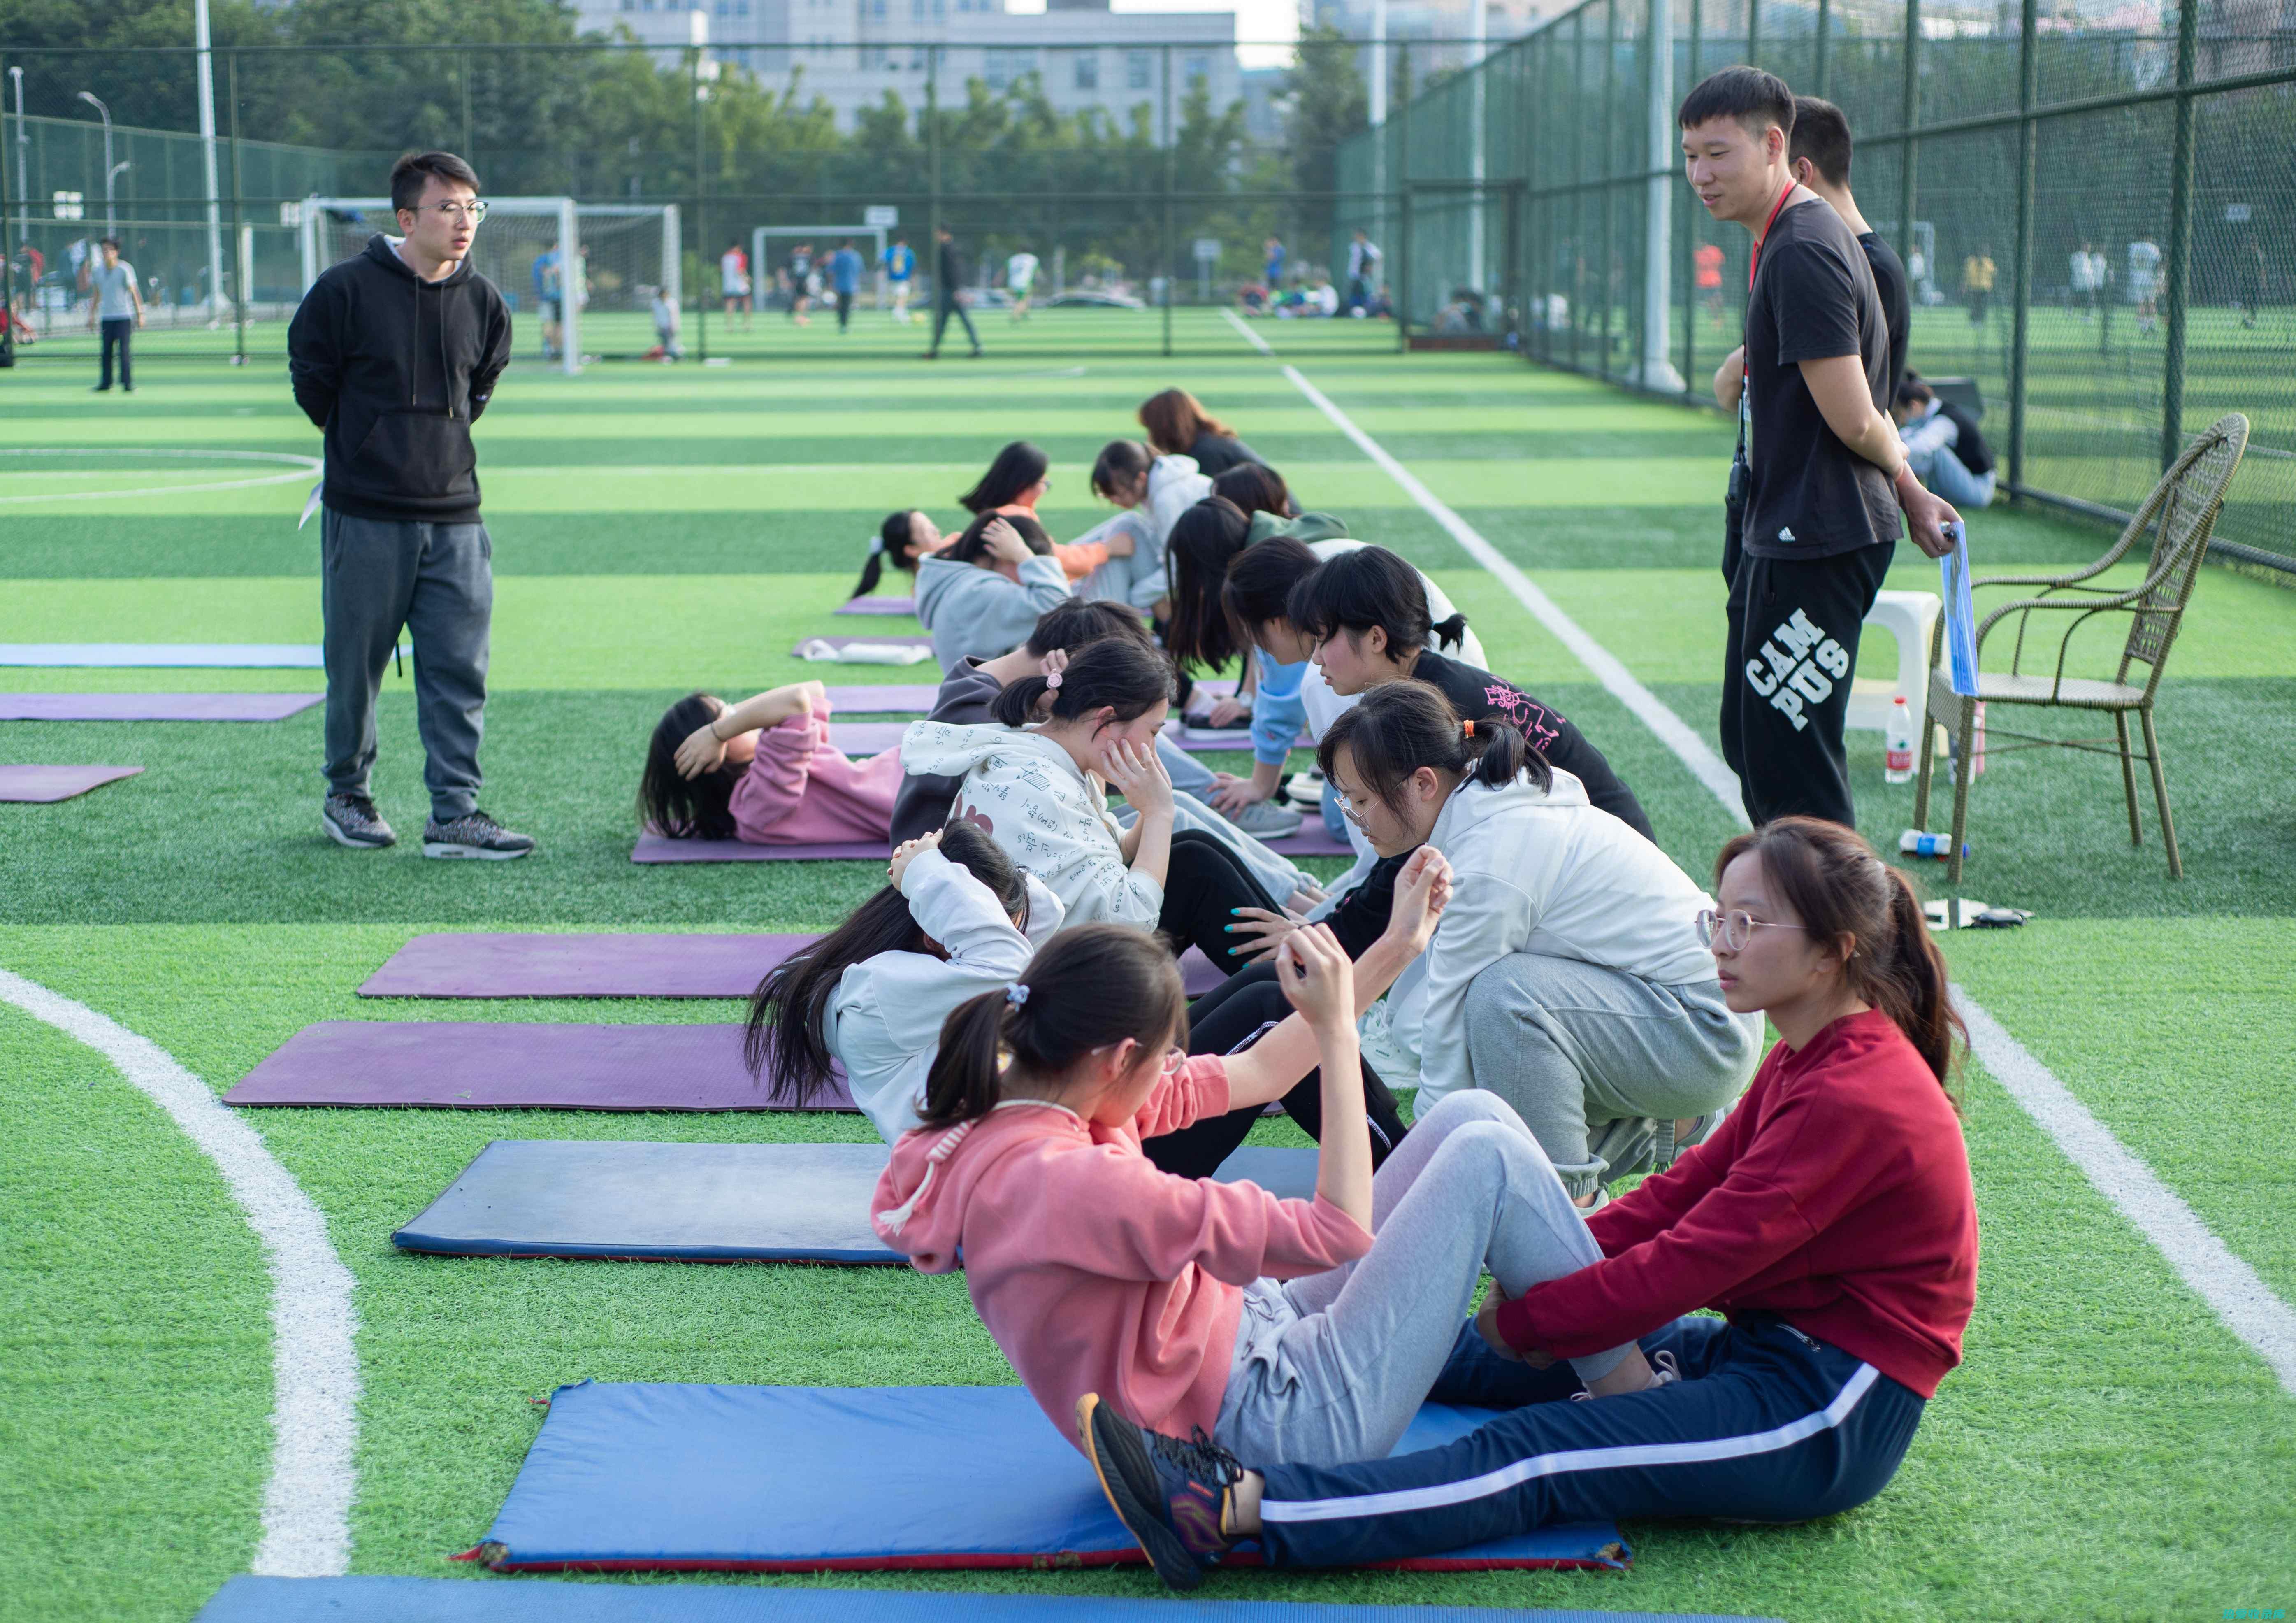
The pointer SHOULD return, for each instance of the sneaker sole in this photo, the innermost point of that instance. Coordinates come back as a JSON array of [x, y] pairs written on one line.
[[1174, 1562], [350, 843], [475, 853]]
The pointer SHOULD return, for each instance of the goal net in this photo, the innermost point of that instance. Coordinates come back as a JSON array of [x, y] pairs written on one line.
[[596, 295], [773, 249]]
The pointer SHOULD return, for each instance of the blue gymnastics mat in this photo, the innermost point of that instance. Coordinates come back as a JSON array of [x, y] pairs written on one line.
[[445, 1600], [644, 1477], [646, 1202]]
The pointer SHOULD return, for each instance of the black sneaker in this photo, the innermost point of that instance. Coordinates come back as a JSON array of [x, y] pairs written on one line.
[[474, 834], [1170, 1496], [352, 820]]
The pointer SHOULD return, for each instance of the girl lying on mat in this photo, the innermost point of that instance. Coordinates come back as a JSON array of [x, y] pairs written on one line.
[[763, 772], [955, 919], [907, 538], [1096, 1273], [1015, 482], [980, 596], [1830, 1219]]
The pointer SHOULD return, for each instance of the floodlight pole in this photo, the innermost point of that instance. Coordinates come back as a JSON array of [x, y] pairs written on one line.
[[1479, 31], [203, 39], [23, 195], [111, 169], [1658, 229], [1378, 110]]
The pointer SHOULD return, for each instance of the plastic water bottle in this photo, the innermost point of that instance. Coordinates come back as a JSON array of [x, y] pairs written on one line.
[[1897, 761], [1914, 843]]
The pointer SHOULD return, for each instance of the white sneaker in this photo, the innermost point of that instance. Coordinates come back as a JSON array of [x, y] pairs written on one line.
[[1265, 819]]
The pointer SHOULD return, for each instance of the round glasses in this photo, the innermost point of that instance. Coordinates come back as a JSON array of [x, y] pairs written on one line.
[[1734, 930], [455, 212]]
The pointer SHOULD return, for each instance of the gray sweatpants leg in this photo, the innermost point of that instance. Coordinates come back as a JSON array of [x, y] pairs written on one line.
[[1575, 1048], [1332, 1368], [437, 583]]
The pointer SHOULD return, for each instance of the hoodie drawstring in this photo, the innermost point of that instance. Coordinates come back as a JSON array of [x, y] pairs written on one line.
[[891, 1222]]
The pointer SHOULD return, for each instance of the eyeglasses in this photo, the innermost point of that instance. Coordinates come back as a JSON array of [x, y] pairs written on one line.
[[455, 213], [1734, 930], [1347, 806]]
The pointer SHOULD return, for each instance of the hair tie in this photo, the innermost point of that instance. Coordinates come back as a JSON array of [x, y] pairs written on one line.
[[1016, 994], [876, 545], [1052, 682], [1469, 728]]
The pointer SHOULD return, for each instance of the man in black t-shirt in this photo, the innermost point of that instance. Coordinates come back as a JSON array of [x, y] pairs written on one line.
[[1825, 477]]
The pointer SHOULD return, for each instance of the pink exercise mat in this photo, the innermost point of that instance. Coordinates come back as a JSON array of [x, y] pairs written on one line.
[[45, 784]]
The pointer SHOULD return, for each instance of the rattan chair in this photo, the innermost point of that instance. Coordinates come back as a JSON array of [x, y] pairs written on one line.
[[2179, 513]]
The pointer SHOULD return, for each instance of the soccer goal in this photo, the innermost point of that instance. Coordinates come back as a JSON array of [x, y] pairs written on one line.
[[767, 242], [621, 254]]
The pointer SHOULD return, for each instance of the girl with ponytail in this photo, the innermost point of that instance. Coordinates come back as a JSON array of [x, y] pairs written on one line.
[[1830, 1220], [1020, 478], [1096, 1273], [904, 538], [981, 595], [954, 918], [1569, 979]]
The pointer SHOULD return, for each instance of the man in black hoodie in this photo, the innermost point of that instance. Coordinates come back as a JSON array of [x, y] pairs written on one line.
[[949, 297], [394, 354]]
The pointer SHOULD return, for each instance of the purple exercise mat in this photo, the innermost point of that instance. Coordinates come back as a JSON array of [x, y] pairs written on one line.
[[44, 784], [653, 848], [155, 707], [876, 605], [1218, 737], [608, 965], [473, 1066], [866, 737], [916, 696]]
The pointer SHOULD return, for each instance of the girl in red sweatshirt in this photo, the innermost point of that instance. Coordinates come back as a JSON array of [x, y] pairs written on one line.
[[1829, 1219]]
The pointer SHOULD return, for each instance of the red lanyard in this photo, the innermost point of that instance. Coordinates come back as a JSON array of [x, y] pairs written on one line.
[[1775, 208]]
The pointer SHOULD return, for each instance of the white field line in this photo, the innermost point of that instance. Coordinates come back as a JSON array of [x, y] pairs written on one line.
[[315, 1365], [2233, 1289], [1244, 327], [302, 468]]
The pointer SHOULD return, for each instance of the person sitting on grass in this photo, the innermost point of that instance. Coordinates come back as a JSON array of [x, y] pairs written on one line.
[[1831, 1221], [763, 772], [1014, 483], [968, 696], [907, 538], [982, 593], [1177, 426], [955, 918], [1097, 1273]]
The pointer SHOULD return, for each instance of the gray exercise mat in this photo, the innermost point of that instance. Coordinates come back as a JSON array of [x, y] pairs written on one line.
[[155, 706], [611, 964], [138, 655], [876, 605], [471, 1065], [45, 784], [699, 1202]]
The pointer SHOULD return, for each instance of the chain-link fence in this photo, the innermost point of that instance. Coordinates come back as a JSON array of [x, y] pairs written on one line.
[[1149, 180], [2094, 203]]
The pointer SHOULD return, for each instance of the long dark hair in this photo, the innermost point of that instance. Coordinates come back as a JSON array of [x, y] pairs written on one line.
[[788, 1012], [893, 538], [1400, 727], [1261, 580], [1174, 419], [1367, 586], [1838, 885], [1256, 488], [1205, 540], [687, 808], [1018, 466], [968, 547], [1119, 459], [1078, 620], [1089, 988], [1125, 674]]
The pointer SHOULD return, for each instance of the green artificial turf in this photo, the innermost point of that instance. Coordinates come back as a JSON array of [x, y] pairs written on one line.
[[2108, 1450]]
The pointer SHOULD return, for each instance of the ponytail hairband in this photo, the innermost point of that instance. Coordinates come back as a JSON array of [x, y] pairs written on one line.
[[876, 545], [1052, 682], [1469, 728], [1016, 993]]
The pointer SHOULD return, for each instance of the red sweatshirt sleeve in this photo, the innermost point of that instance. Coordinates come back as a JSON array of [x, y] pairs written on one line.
[[1193, 1090], [1807, 1164]]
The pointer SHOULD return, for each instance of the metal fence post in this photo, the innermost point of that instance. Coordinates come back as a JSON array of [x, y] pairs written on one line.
[[702, 224], [1824, 28], [932, 166], [1402, 300], [1658, 200], [1689, 261], [1753, 33], [242, 253], [1908, 116], [7, 245], [1171, 248], [2180, 237], [2022, 261], [1602, 194]]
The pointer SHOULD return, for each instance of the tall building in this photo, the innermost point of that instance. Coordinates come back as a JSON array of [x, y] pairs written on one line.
[[1450, 20], [851, 52]]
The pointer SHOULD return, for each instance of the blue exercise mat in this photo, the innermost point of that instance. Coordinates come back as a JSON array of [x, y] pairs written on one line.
[[645, 1202], [644, 1477], [445, 1600]]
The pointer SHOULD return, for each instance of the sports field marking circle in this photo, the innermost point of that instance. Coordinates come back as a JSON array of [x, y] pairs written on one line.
[[298, 467], [315, 1373]]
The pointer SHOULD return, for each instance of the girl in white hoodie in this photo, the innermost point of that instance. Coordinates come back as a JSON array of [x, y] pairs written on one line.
[[1568, 977], [1153, 491], [957, 918]]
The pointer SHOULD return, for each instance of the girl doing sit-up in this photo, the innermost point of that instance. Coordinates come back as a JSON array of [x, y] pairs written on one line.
[[1096, 1273], [1015, 482], [905, 538], [981, 595], [762, 771], [955, 919], [1830, 1220], [1153, 490]]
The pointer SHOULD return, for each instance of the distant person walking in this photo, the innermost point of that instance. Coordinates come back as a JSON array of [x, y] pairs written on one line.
[[801, 281], [1020, 281], [1977, 275], [949, 297], [733, 284], [2144, 280], [2086, 282], [1363, 271], [395, 354], [118, 304], [845, 281], [900, 271], [550, 296], [1273, 275]]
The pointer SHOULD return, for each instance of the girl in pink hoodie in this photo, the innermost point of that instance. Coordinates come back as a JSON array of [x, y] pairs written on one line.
[[1096, 1273], [763, 772]]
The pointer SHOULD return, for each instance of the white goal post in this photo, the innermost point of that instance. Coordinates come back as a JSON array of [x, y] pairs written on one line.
[[825, 239]]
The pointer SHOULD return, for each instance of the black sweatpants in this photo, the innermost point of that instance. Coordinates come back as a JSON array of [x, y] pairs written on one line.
[[944, 307], [1217, 1021], [1785, 678], [844, 311], [119, 335], [1204, 884]]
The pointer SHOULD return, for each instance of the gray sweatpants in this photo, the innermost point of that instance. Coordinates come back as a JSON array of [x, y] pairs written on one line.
[[436, 582], [1330, 1368], [1599, 1063]]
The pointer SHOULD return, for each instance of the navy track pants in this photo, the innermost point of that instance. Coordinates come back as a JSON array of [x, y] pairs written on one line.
[[1766, 1424]]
